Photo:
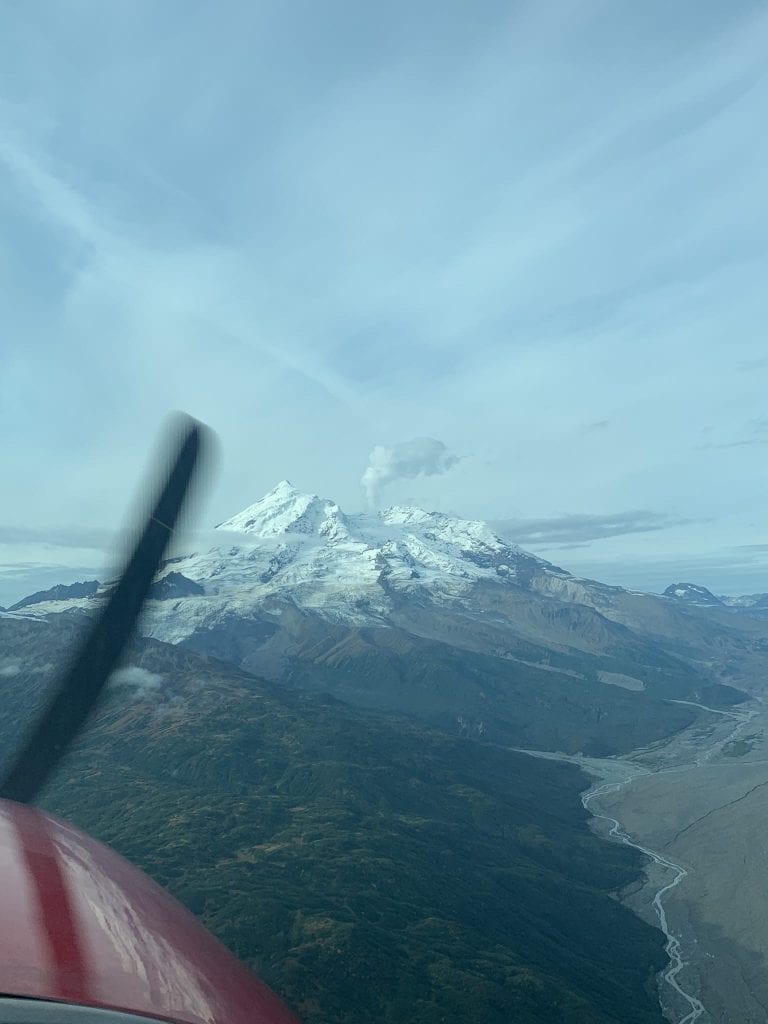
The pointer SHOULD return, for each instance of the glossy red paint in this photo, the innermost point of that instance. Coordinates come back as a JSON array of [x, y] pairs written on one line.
[[79, 924]]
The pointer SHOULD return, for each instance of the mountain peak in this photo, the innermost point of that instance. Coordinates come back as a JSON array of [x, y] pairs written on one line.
[[692, 593], [285, 509], [290, 544]]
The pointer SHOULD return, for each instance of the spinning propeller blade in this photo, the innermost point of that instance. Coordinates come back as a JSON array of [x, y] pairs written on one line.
[[76, 695]]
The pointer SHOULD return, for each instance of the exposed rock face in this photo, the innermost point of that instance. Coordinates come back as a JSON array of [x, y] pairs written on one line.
[[175, 584], [692, 593], [61, 592]]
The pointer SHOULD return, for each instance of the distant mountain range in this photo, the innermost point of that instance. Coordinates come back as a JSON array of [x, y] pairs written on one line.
[[690, 593]]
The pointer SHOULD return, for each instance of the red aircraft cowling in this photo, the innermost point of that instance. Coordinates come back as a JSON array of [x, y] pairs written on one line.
[[79, 924]]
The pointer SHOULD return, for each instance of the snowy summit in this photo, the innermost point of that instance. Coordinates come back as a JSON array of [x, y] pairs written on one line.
[[286, 510], [292, 549]]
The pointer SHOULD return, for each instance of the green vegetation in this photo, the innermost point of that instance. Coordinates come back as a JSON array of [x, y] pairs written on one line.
[[474, 674], [517, 703], [369, 869]]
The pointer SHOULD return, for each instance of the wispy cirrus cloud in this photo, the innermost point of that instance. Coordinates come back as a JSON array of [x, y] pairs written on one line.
[[57, 536], [526, 231], [753, 432]]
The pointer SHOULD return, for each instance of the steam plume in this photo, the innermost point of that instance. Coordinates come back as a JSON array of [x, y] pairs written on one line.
[[423, 456]]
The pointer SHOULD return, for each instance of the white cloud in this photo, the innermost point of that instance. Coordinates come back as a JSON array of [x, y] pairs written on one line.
[[140, 680]]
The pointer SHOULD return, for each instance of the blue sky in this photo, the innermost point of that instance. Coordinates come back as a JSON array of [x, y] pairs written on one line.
[[533, 231]]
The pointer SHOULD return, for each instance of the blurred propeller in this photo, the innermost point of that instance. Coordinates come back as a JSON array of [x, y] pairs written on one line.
[[74, 698]]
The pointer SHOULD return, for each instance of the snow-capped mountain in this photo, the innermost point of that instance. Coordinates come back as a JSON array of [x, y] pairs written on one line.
[[294, 552], [439, 617], [297, 548], [286, 510], [415, 544], [304, 549]]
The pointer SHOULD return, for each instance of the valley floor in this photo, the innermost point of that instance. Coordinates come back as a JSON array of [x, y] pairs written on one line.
[[700, 804]]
